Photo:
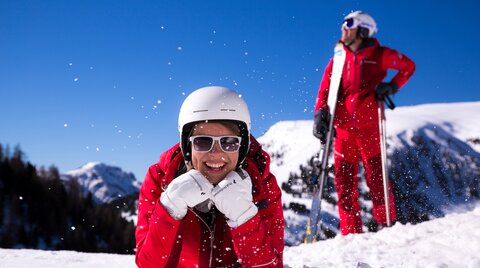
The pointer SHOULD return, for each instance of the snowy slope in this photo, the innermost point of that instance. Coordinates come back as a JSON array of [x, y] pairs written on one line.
[[106, 183], [452, 241]]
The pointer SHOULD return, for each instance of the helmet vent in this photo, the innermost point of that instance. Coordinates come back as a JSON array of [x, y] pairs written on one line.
[[199, 111], [227, 110]]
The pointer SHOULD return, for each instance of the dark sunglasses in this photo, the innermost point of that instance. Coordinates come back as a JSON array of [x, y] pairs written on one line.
[[203, 143]]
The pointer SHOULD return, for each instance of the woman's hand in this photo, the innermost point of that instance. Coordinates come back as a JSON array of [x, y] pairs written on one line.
[[187, 190], [233, 197]]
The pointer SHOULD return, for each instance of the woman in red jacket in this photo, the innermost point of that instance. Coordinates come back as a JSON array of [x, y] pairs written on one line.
[[356, 116], [211, 200]]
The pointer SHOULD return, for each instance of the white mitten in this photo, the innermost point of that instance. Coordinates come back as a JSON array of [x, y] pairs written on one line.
[[233, 197], [187, 190]]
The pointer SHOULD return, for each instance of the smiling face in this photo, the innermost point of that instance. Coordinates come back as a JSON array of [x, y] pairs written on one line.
[[214, 164]]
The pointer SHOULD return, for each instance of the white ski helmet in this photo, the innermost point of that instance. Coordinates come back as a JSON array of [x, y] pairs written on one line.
[[214, 103], [365, 23]]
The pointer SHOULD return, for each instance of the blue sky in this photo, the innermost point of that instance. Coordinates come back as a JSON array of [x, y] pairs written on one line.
[[85, 80]]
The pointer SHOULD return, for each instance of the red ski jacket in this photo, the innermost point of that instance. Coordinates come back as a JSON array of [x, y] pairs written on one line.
[[192, 242], [363, 70]]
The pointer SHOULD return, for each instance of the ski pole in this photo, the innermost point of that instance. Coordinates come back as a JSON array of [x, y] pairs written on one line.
[[383, 150]]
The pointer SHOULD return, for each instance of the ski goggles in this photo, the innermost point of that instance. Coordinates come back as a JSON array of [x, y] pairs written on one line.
[[351, 23], [204, 143]]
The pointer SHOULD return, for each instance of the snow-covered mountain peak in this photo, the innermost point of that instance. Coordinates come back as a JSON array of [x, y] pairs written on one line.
[[459, 119], [105, 182], [290, 144], [91, 165]]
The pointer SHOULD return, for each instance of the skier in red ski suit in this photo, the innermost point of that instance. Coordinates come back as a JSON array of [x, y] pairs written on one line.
[[356, 119], [211, 200]]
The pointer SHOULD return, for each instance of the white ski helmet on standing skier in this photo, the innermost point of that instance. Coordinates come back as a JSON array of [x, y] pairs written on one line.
[[214, 103], [365, 23]]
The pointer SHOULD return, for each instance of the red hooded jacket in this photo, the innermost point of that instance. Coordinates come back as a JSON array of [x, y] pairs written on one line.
[[192, 242], [362, 71]]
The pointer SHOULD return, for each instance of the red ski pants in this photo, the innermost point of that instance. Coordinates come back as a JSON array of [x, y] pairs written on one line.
[[351, 146]]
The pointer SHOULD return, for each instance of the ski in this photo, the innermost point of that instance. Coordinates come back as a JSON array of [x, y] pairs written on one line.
[[314, 222]]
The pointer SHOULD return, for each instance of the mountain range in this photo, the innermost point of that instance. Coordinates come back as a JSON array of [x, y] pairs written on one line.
[[106, 183]]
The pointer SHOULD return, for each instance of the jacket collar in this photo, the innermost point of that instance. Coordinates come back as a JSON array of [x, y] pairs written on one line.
[[367, 43]]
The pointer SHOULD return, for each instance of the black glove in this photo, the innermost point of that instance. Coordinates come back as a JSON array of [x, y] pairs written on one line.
[[321, 121], [383, 90]]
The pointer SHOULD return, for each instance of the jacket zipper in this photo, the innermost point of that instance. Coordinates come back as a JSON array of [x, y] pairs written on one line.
[[355, 86], [212, 239], [348, 70], [212, 234]]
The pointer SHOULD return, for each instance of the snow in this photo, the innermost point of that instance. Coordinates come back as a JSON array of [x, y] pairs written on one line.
[[460, 119], [27, 258], [452, 241], [294, 139]]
